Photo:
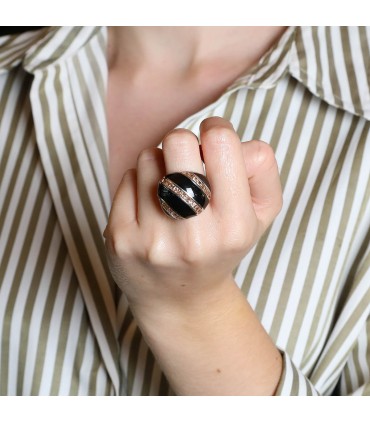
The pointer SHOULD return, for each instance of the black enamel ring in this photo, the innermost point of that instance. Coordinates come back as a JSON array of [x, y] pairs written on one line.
[[183, 194]]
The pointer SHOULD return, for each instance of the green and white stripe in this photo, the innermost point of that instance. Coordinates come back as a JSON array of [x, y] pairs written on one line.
[[65, 328]]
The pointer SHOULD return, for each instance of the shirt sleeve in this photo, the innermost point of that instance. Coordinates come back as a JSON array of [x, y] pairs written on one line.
[[293, 382], [354, 378]]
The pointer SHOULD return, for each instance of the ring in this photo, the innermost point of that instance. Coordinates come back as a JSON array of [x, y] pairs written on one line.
[[183, 194]]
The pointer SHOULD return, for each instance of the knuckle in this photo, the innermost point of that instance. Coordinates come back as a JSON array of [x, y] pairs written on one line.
[[147, 154], [238, 243], [178, 137], [237, 238], [194, 256], [220, 135], [264, 155], [115, 244], [155, 253], [215, 121], [129, 175], [198, 247]]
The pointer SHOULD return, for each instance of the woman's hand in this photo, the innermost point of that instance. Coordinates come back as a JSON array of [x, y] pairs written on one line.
[[177, 274], [157, 261]]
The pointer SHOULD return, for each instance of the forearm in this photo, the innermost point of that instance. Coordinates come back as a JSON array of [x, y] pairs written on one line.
[[177, 275], [218, 347]]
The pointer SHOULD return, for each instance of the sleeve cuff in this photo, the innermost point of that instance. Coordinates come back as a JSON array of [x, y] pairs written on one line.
[[293, 382]]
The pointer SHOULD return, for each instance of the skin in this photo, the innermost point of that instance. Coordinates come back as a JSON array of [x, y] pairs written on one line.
[[158, 76], [177, 275]]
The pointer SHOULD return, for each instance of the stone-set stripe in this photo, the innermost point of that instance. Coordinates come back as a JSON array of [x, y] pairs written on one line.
[[182, 194], [198, 182], [169, 210]]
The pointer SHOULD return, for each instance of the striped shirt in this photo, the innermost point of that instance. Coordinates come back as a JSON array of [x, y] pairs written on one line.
[[65, 329]]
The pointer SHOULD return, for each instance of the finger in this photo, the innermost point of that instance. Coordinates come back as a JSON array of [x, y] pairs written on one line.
[[150, 169], [264, 180], [225, 168], [124, 205], [181, 152]]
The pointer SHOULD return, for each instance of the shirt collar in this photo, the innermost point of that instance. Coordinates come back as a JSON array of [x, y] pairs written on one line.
[[36, 50], [13, 48], [272, 66], [332, 62]]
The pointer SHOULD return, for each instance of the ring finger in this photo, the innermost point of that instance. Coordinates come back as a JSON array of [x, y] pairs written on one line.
[[181, 155]]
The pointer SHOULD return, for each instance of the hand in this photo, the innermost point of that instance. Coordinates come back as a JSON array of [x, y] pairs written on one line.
[[177, 274], [158, 261]]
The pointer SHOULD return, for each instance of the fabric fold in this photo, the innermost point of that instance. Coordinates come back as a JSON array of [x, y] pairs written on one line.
[[77, 179]]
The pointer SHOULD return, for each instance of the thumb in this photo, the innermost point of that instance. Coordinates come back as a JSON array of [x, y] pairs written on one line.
[[264, 181]]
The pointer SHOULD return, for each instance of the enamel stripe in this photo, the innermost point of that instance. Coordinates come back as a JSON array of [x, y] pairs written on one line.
[[199, 183], [182, 194]]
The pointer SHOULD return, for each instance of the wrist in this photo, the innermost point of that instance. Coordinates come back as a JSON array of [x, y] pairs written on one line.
[[219, 349], [189, 310]]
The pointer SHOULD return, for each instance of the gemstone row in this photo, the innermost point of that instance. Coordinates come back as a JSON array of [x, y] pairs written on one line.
[[198, 182], [182, 194], [169, 210]]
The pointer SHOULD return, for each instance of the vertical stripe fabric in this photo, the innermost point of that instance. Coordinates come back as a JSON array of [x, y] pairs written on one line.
[[64, 327]]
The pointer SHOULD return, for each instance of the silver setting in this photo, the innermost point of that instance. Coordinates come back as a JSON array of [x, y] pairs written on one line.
[[198, 182]]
